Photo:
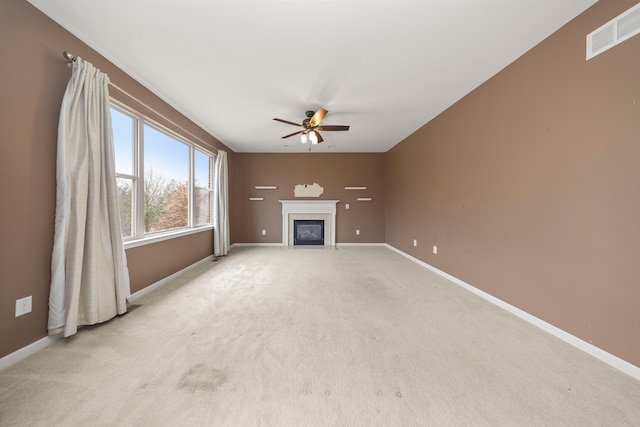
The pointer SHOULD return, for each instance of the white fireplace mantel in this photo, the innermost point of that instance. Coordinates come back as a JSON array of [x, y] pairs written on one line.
[[309, 209]]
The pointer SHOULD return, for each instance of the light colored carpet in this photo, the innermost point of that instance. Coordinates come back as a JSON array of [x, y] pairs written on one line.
[[355, 336]]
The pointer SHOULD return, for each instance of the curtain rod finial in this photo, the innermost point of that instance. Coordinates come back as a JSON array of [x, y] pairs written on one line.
[[70, 57]]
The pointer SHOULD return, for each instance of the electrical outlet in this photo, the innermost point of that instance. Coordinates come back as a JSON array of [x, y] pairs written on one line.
[[435, 249], [23, 306], [357, 232], [264, 232], [415, 242], [346, 206]]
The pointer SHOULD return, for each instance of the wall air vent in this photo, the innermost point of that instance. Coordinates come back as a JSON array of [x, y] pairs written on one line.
[[614, 32]]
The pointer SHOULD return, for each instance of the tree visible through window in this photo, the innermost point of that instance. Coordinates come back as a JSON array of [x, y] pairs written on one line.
[[124, 127], [155, 172], [166, 181], [203, 184]]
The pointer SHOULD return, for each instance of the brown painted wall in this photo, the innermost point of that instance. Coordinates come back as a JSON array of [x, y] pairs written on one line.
[[529, 186], [32, 82], [332, 171], [151, 263]]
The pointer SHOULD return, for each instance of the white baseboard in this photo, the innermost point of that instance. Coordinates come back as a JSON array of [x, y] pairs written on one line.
[[28, 350], [280, 244], [360, 244], [257, 244], [162, 282], [598, 353], [36, 346]]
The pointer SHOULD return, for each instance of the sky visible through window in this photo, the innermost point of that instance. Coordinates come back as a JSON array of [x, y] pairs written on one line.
[[165, 155], [201, 169], [159, 178], [122, 125]]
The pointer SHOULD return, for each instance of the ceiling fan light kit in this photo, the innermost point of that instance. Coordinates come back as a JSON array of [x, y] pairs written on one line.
[[311, 125], [313, 137]]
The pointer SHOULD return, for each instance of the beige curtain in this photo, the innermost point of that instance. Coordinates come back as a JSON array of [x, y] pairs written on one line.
[[220, 206], [89, 282]]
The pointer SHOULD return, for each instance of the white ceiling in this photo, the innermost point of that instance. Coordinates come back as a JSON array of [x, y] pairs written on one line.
[[383, 67]]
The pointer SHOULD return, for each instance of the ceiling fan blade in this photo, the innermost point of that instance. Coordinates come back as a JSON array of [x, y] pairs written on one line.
[[319, 137], [291, 134], [287, 122], [333, 127], [318, 117]]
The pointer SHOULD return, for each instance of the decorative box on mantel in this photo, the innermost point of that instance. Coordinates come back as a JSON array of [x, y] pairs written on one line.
[[309, 209]]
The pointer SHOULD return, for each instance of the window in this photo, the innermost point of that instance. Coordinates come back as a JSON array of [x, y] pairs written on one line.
[[203, 184], [124, 128], [164, 182]]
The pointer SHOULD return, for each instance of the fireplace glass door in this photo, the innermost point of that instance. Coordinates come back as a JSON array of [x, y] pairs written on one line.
[[308, 232]]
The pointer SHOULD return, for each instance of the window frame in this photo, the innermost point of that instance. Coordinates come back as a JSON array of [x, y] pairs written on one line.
[[193, 189], [138, 235]]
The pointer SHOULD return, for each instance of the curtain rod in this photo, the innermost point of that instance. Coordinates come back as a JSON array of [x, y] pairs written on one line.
[[70, 57]]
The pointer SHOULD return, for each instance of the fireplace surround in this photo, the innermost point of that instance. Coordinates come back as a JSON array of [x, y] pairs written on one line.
[[309, 210]]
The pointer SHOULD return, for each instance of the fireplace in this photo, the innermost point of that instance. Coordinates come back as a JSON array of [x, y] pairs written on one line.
[[308, 232], [318, 210]]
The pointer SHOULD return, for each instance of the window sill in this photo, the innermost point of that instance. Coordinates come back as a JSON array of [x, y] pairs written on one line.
[[147, 240]]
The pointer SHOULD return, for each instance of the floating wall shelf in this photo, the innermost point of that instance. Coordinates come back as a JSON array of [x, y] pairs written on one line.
[[364, 199], [256, 199], [355, 188], [266, 187]]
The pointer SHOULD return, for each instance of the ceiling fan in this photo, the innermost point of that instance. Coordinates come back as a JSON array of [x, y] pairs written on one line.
[[311, 125]]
